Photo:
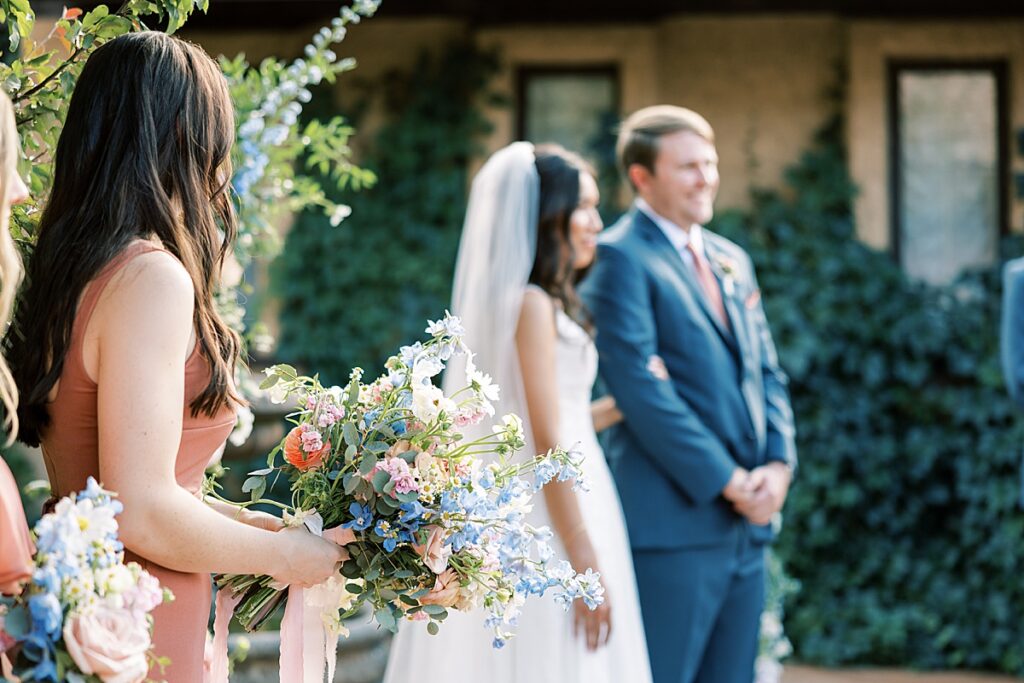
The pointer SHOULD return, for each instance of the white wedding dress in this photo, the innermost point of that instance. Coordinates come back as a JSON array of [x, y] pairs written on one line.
[[544, 649]]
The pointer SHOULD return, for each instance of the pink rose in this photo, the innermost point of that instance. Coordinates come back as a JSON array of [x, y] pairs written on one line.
[[423, 462], [445, 591], [109, 643], [145, 596], [435, 553], [400, 446]]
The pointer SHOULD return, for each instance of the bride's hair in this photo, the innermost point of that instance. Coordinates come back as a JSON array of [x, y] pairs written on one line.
[[559, 171]]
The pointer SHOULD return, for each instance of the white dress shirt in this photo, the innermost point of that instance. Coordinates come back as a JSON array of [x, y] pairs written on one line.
[[679, 237]]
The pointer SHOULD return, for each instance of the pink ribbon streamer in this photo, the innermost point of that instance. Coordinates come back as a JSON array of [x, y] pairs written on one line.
[[306, 643], [218, 664]]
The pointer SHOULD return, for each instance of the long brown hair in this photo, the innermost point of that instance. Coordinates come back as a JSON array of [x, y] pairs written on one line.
[[145, 151], [10, 262], [553, 271]]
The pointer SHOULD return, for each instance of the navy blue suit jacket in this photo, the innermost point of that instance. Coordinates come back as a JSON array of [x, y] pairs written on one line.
[[725, 405], [1011, 335]]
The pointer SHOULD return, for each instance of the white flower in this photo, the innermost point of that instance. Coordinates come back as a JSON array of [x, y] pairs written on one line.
[[310, 519], [425, 367], [483, 385], [427, 401], [244, 421], [278, 393], [510, 424], [340, 213]]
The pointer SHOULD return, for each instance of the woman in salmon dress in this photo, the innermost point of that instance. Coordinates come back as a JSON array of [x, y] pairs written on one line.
[[124, 367], [15, 543]]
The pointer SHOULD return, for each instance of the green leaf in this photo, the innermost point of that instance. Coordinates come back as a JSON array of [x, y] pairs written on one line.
[[386, 619], [367, 464], [350, 434], [251, 483], [380, 480], [270, 381], [432, 628], [351, 483], [376, 447], [407, 497], [412, 602], [436, 611], [92, 18], [350, 454], [353, 588]]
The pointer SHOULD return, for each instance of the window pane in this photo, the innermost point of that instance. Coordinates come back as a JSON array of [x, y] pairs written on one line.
[[948, 171], [568, 108], [578, 110]]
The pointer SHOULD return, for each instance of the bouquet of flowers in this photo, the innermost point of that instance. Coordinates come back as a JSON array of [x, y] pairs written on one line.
[[84, 615], [430, 525]]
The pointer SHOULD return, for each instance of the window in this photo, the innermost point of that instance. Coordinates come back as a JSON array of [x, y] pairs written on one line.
[[947, 167], [576, 107]]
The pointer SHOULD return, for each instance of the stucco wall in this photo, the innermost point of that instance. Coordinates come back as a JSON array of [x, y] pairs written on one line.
[[760, 82]]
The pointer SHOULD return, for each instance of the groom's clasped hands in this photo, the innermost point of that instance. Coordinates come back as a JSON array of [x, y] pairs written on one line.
[[759, 493]]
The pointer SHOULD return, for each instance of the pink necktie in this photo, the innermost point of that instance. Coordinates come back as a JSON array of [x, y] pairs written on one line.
[[709, 284]]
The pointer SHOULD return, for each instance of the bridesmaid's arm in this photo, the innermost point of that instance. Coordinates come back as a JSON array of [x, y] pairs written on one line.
[[260, 520], [144, 323], [605, 413]]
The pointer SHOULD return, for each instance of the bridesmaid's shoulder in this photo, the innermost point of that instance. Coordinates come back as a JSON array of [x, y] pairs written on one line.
[[157, 273], [153, 285]]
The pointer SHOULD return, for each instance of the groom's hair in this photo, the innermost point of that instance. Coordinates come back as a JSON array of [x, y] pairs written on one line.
[[639, 134]]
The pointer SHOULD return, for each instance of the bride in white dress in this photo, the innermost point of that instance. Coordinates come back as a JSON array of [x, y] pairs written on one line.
[[530, 232]]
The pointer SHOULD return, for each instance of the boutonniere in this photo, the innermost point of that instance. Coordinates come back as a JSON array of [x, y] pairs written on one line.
[[727, 268]]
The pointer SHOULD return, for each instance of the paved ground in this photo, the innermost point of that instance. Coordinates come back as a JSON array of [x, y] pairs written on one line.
[[806, 674]]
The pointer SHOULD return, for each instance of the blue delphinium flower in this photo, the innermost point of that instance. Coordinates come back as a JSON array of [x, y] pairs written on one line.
[[413, 515], [450, 502], [543, 473], [389, 533], [362, 517], [47, 615]]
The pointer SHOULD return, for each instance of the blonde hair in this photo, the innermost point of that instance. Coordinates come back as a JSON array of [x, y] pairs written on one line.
[[639, 134], [10, 261]]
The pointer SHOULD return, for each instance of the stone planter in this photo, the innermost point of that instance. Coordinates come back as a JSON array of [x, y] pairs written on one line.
[[361, 657]]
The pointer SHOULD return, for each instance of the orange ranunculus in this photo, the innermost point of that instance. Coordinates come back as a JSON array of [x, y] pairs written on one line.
[[294, 454]]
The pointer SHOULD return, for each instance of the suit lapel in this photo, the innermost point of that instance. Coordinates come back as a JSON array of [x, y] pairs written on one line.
[[667, 252], [732, 307]]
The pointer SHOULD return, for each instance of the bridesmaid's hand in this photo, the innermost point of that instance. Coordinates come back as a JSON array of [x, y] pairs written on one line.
[[261, 520], [304, 559], [595, 625]]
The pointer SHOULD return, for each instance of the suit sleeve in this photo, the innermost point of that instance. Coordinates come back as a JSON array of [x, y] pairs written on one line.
[[1011, 334], [780, 430], [669, 431]]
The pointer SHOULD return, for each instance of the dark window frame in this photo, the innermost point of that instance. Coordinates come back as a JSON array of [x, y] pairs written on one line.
[[525, 72], [999, 70]]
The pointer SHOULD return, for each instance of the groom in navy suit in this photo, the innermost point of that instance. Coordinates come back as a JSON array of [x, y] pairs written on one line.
[[703, 460]]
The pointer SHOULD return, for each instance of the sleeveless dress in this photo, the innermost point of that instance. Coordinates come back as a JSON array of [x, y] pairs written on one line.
[[71, 452], [544, 649], [16, 547]]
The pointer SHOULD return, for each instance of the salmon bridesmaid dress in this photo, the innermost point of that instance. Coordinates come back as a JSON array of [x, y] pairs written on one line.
[[70, 449], [16, 547]]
